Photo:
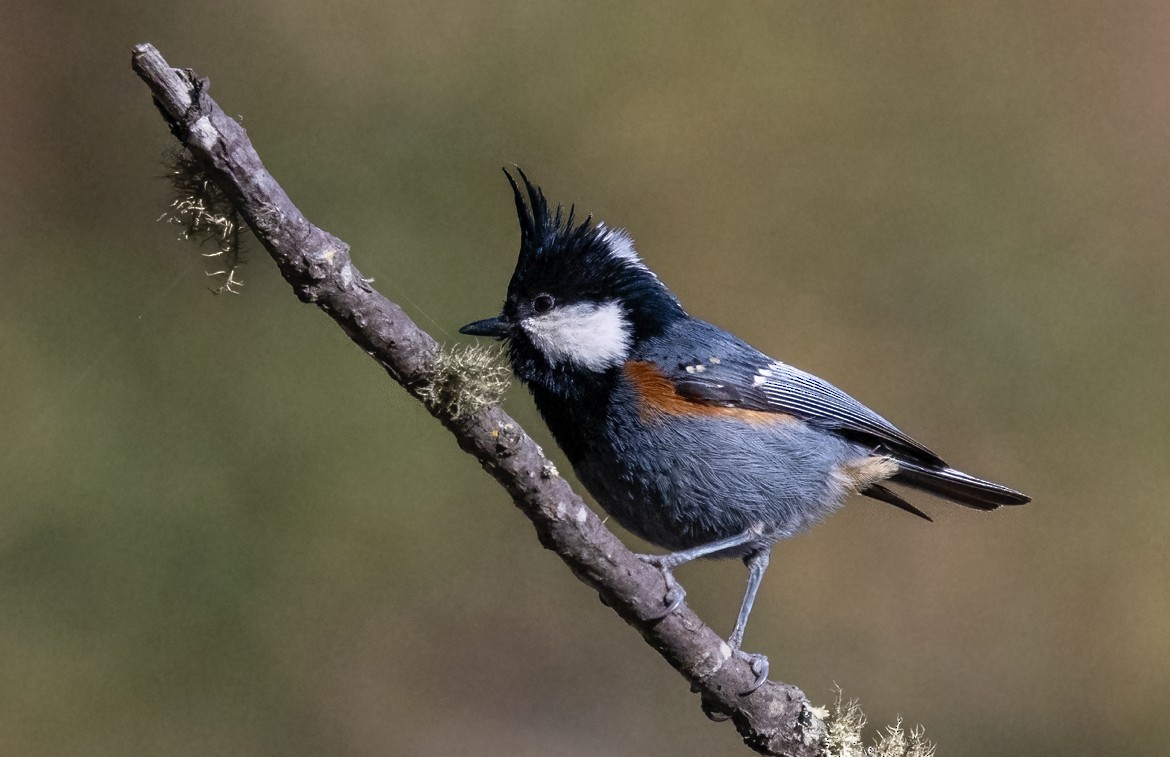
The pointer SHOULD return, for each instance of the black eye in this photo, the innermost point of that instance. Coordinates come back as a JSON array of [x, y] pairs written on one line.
[[543, 303]]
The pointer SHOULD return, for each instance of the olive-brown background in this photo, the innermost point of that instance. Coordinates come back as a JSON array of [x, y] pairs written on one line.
[[223, 531]]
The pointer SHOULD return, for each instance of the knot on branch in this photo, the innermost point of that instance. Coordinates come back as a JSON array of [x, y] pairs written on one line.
[[324, 265]]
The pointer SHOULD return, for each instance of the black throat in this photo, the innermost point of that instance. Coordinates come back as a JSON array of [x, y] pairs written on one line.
[[570, 400]]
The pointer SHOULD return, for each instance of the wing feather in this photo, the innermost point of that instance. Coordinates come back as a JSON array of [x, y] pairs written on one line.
[[709, 366], [756, 382]]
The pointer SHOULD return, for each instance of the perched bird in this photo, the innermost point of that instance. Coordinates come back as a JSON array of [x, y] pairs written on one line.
[[689, 437]]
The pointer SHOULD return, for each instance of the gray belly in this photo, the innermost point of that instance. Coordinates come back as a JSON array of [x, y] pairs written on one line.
[[693, 481]]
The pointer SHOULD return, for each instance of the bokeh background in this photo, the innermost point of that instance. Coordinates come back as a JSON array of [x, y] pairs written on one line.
[[224, 532]]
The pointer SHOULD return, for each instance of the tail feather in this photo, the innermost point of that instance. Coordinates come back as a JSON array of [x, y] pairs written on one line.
[[882, 494], [957, 486]]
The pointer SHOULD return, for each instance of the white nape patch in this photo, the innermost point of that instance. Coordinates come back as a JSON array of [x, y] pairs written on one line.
[[588, 335], [620, 245]]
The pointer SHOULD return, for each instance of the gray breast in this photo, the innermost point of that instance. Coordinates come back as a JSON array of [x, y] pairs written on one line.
[[685, 481]]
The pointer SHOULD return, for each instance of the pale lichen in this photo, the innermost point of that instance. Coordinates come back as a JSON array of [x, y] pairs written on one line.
[[203, 212], [465, 379], [845, 722]]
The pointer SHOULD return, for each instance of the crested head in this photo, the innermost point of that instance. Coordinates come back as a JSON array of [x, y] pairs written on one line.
[[580, 296]]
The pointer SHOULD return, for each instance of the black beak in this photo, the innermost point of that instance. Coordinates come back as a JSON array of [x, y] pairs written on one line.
[[496, 327]]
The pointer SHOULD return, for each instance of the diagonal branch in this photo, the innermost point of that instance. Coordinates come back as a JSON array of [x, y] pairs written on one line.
[[775, 720]]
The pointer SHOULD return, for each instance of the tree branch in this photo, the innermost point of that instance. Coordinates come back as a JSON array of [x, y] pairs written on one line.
[[775, 720]]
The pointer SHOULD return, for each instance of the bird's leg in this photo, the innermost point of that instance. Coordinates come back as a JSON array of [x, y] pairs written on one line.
[[757, 563], [667, 563]]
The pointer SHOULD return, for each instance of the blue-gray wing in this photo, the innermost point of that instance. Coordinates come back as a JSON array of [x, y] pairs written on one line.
[[753, 381]]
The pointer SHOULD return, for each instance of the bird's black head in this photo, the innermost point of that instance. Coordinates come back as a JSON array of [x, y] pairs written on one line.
[[580, 297]]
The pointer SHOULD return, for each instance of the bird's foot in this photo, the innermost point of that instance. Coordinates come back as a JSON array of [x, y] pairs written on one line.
[[675, 593], [759, 665]]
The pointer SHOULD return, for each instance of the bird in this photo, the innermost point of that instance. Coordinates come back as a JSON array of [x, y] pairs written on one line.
[[686, 435]]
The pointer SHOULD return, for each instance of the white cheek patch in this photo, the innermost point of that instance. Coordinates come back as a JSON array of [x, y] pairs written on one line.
[[588, 335]]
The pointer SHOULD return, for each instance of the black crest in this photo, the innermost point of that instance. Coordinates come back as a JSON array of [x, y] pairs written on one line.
[[553, 231], [583, 261]]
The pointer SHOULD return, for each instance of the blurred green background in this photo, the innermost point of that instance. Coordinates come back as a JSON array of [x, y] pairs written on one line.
[[224, 532]]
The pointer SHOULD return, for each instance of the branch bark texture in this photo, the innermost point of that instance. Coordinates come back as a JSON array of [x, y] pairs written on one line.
[[774, 720]]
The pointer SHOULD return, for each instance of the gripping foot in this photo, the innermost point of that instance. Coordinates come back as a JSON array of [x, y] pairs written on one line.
[[675, 593], [759, 665]]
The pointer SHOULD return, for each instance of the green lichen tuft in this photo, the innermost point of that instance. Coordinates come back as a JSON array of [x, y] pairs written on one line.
[[465, 379]]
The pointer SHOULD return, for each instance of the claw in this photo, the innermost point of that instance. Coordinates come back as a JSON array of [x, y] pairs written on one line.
[[759, 665], [675, 593], [714, 715]]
